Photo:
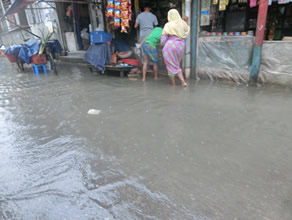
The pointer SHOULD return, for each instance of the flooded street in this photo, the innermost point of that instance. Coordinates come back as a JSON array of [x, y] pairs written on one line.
[[206, 152]]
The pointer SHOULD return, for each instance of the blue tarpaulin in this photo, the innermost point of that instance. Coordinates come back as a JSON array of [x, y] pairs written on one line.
[[14, 49], [32, 47], [55, 46], [25, 54], [98, 55]]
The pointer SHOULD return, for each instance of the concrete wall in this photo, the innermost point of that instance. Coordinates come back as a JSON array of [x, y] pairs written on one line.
[[15, 37], [276, 63], [39, 28], [18, 36], [49, 16]]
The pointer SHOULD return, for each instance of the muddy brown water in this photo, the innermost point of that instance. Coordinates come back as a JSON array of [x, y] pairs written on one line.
[[210, 151]]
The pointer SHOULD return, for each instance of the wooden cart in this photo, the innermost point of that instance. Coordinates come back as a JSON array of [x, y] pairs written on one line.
[[116, 68]]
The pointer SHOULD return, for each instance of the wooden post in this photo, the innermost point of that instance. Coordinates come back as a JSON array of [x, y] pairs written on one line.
[[194, 35], [260, 33]]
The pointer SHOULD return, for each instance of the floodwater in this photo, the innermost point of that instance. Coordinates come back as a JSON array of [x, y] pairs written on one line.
[[209, 151]]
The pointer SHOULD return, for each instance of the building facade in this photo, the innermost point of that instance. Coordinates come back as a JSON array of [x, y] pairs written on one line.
[[220, 47], [9, 27]]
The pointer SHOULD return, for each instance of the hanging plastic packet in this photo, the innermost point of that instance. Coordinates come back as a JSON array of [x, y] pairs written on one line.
[[117, 13], [117, 22], [222, 5], [110, 4], [130, 9], [110, 12], [125, 22], [117, 5], [125, 14], [124, 6], [124, 29]]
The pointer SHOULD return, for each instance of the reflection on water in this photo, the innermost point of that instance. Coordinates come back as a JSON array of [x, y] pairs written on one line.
[[154, 152]]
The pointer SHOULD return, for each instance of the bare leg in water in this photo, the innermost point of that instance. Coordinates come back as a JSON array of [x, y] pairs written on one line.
[[172, 79], [155, 68], [181, 77], [145, 68]]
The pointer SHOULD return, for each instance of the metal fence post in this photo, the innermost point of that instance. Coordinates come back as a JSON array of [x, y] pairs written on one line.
[[194, 35], [260, 33]]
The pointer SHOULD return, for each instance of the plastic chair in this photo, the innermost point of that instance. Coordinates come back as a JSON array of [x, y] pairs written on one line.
[[35, 69]]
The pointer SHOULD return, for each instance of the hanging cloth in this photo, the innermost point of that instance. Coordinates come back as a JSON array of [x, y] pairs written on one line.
[[176, 25]]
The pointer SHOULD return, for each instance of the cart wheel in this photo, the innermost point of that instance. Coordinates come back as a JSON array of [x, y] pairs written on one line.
[[20, 66]]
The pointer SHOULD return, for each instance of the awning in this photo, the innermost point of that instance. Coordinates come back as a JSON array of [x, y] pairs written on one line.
[[17, 5]]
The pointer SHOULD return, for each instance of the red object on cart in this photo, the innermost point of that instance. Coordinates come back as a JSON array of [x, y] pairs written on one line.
[[131, 62], [39, 59], [11, 57]]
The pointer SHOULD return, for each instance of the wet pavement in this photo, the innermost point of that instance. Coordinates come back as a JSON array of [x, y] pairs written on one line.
[[209, 151]]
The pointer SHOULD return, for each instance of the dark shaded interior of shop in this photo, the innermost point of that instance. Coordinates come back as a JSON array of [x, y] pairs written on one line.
[[159, 8], [240, 17]]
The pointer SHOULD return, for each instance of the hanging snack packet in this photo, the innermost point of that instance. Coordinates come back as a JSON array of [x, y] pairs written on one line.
[[125, 14], [124, 1], [117, 22], [124, 29], [117, 5], [110, 4], [117, 14], [124, 6], [125, 22], [110, 12], [222, 5]]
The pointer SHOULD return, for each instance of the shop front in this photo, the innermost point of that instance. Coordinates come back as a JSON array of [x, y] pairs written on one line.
[[74, 22], [119, 29], [276, 65], [119, 23], [227, 35]]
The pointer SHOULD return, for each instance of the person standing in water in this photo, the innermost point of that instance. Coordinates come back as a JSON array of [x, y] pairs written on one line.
[[172, 40], [149, 45], [146, 21]]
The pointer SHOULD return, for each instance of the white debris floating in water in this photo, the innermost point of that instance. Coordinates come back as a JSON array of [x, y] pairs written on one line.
[[93, 112]]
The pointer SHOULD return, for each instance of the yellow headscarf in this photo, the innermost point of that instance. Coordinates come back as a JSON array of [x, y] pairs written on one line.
[[176, 25]]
